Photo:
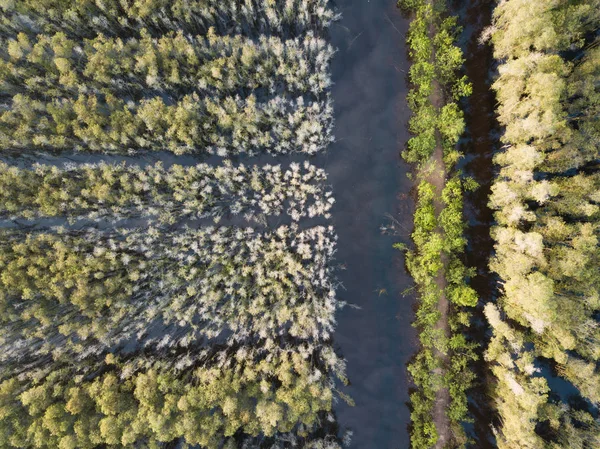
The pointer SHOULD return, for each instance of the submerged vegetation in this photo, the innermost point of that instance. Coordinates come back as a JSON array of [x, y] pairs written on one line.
[[129, 317], [167, 254], [440, 370]]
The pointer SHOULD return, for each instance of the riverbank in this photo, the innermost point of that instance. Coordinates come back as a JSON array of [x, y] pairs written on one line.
[[441, 368]]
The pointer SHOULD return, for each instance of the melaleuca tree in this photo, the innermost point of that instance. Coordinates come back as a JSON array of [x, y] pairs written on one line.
[[173, 63], [545, 198], [190, 126], [577, 429], [102, 327], [174, 92], [299, 439], [142, 401], [59, 290], [86, 18], [117, 192], [519, 395]]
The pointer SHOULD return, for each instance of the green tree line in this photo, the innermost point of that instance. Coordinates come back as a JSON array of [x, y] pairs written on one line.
[[435, 262]]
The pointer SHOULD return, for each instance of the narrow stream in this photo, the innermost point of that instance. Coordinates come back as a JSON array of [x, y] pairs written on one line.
[[370, 184]]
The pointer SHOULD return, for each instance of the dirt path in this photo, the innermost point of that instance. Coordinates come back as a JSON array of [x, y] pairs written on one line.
[[442, 397], [436, 175]]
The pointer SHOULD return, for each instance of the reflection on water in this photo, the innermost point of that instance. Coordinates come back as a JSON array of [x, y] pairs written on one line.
[[369, 182]]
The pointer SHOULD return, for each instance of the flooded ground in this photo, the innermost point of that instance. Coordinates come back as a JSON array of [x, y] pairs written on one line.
[[371, 188], [480, 141], [369, 183]]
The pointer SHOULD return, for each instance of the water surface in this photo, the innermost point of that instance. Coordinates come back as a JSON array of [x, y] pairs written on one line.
[[369, 183]]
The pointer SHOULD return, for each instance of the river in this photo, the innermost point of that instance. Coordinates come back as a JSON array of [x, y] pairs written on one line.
[[370, 184]]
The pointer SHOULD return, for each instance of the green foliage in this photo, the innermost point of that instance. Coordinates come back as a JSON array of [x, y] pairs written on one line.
[[400, 246], [162, 334], [425, 263], [451, 123], [153, 402], [463, 295], [437, 124], [547, 229], [436, 61]]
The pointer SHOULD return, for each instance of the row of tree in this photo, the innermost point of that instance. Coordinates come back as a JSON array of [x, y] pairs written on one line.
[[109, 124], [116, 192], [440, 369], [172, 63], [85, 18], [73, 293], [546, 197], [445, 354], [186, 95], [147, 401]]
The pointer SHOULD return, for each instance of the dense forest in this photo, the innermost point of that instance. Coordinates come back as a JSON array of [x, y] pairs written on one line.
[[546, 200], [169, 232], [147, 303]]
